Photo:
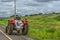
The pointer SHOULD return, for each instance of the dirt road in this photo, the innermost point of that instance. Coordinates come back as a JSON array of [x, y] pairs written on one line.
[[14, 36]]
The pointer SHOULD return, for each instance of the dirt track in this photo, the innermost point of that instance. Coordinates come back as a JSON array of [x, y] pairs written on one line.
[[50, 26], [2, 37], [14, 36]]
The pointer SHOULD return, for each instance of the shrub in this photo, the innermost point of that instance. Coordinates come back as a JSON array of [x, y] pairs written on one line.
[[58, 18]]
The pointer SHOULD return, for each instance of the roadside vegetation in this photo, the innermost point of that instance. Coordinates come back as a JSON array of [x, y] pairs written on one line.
[[41, 26]]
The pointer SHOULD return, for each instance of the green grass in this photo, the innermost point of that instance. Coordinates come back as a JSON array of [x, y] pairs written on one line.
[[44, 19], [4, 23], [40, 32], [43, 32]]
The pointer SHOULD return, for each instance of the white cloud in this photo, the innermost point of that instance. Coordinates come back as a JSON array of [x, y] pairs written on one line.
[[9, 3], [55, 1], [50, 5], [8, 13]]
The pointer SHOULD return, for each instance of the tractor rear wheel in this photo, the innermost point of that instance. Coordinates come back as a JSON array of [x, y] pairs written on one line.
[[25, 29], [6, 30], [10, 29], [18, 31]]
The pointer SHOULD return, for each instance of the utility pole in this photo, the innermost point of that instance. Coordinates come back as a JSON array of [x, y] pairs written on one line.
[[15, 7]]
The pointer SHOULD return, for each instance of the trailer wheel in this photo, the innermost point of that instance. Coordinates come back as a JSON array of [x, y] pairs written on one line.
[[25, 29]]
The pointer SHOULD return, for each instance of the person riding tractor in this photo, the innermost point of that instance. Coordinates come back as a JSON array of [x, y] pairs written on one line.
[[18, 25], [17, 17]]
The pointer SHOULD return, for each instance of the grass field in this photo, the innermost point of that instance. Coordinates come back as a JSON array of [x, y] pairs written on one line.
[[39, 26]]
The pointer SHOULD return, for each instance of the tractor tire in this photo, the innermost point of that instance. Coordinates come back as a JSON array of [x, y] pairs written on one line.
[[10, 29], [6, 30], [18, 31], [25, 29]]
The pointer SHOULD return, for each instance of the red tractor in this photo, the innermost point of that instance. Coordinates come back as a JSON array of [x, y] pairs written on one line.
[[17, 25]]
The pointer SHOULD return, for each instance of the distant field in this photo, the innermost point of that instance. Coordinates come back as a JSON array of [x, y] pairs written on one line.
[[38, 28], [44, 19]]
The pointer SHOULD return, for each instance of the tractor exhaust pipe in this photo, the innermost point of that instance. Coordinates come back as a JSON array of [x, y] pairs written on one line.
[[15, 8]]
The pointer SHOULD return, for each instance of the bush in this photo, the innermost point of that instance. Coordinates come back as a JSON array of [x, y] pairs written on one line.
[[58, 18]]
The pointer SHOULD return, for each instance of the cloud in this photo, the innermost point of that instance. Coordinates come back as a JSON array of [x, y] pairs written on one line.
[[7, 0], [35, 4], [45, 0], [50, 5], [29, 6]]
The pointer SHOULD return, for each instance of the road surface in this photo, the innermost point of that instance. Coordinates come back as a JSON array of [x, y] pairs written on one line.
[[14, 36], [2, 37]]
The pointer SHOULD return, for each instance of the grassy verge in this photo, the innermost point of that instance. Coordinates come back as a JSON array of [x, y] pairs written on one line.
[[4, 23], [43, 33]]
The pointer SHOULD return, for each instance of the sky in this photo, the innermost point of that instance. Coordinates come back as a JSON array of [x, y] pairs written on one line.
[[26, 7]]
